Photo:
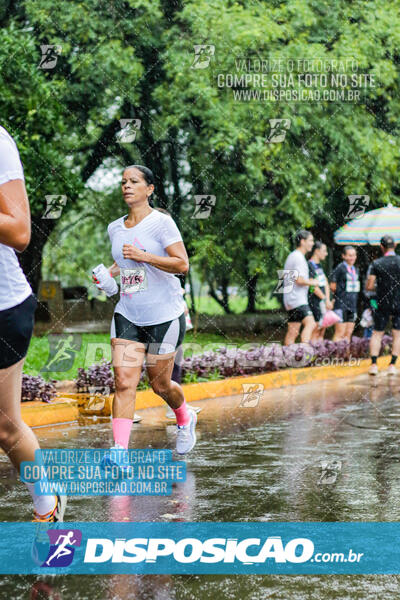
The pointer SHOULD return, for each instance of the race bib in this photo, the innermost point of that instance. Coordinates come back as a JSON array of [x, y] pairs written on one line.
[[133, 280], [352, 286]]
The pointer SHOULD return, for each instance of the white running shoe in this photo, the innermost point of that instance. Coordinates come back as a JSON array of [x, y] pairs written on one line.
[[186, 435], [56, 515], [171, 415], [117, 456], [392, 370], [136, 418], [373, 370]]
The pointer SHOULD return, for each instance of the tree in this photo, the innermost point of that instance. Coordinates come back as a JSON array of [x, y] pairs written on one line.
[[136, 59]]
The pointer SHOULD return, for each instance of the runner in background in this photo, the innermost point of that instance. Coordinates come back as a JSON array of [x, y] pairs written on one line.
[[345, 286], [296, 299], [17, 310], [318, 297], [385, 274]]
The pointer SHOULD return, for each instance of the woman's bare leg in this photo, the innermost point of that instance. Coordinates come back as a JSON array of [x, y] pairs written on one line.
[[127, 358], [159, 369], [16, 439]]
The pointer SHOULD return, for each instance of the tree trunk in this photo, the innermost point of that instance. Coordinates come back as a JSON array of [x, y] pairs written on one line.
[[221, 301], [251, 286], [194, 307], [176, 198], [31, 258]]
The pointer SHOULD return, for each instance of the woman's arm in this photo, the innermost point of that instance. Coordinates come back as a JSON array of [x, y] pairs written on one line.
[[15, 216], [328, 301], [177, 260], [370, 286]]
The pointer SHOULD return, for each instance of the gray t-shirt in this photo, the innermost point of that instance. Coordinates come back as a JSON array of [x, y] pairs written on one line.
[[298, 295]]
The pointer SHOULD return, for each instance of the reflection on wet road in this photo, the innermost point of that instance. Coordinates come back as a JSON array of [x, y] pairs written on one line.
[[320, 452]]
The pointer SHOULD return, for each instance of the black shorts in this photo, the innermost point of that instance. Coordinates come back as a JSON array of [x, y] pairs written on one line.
[[347, 316], [161, 338], [381, 318], [296, 315], [316, 311], [16, 327]]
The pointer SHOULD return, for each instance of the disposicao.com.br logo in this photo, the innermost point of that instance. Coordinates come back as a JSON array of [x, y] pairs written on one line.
[[62, 547], [248, 551]]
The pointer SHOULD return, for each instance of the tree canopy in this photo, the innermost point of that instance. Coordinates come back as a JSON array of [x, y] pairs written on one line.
[[137, 59]]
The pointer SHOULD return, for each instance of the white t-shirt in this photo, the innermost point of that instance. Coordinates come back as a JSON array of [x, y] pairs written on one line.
[[14, 287], [148, 296], [298, 295]]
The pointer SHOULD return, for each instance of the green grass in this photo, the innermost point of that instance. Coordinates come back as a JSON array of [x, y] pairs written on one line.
[[209, 306], [95, 346]]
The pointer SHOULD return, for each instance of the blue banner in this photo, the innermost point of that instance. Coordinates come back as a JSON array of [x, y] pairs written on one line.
[[200, 548], [99, 472]]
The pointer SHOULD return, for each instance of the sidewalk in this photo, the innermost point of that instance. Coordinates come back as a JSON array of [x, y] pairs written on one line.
[[65, 408]]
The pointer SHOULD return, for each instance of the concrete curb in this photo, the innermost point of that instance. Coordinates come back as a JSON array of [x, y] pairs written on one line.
[[68, 407]]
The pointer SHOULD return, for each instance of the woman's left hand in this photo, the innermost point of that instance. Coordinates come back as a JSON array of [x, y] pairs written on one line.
[[130, 251]]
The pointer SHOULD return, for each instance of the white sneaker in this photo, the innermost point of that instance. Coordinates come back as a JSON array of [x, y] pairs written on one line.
[[186, 435], [136, 418], [392, 370], [171, 415], [56, 515], [373, 370], [117, 456]]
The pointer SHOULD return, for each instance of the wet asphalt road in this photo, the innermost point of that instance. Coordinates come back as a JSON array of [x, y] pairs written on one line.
[[327, 451]]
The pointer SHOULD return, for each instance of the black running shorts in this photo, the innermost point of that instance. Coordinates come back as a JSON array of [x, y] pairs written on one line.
[[381, 318], [16, 327], [161, 338], [347, 316], [296, 315]]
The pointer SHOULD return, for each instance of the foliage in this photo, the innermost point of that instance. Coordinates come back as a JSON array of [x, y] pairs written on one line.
[[134, 59], [36, 388], [230, 362]]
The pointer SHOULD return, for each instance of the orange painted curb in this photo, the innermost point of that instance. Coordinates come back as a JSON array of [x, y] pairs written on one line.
[[38, 414], [65, 408]]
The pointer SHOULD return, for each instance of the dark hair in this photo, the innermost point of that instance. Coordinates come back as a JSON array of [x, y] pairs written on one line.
[[387, 241], [147, 176], [348, 248], [317, 246], [146, 172], [301, 234]]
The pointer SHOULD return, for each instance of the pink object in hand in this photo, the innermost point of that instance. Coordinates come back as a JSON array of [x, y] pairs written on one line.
[[330, 318]]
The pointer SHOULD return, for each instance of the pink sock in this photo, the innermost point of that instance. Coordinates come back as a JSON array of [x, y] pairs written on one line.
[[122, 431], [182, 414]]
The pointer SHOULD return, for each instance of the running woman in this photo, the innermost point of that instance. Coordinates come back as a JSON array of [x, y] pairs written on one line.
[[319, 299], [385, 273], [345, 286], [149, 319], [17, 309], [296, 299]]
